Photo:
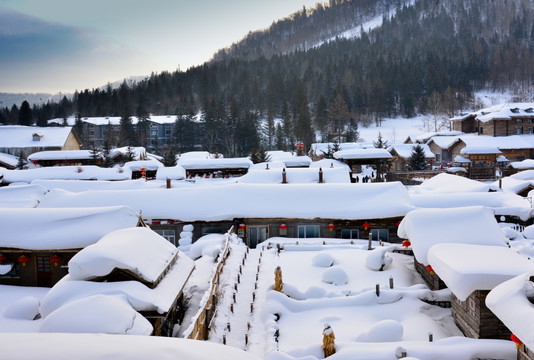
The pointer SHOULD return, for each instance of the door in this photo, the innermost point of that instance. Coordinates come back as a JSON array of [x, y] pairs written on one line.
[[44, 276], [256, 235]]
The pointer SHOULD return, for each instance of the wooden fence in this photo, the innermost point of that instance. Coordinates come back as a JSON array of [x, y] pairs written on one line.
[[200, 323]]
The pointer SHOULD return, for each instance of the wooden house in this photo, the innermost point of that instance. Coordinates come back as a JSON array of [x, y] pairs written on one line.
[[401, 156], [355, 158], [512, 302], [37, 244], [498, 120], [425, 228], [333, 210], [65, 158], [25, 140], [482, 162], [471, 272], [156, 267]]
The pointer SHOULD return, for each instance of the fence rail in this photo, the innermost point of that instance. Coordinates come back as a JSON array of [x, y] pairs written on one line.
[[200, 324]]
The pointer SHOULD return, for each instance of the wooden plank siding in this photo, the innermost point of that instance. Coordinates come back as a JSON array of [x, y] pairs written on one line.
[[475, 319], [432, 280]]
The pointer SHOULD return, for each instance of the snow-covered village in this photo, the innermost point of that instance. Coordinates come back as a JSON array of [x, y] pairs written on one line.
[[341, 180]]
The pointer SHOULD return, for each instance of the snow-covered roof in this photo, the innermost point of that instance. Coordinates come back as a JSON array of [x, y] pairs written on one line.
[[406, 150], [139, 152], [502, 158], [522, 165], [62, 155], [143, 164], [468, 225], [502, 203], [329, 163], [16, 136], [468, 150], [21, 196], [115, 120], [216, 203], [84, 185], [138, 295], [86, 172], [509, 301], [320, 148], [500, 142], [97, 314], [8, 159], [173, 172], [505, 111], [517, 182], [152, 254], [444, 142], [437, 134], [298, 161], [278, 155], [368, 153], [66, 228], [295, 175], [212, 164], [466, 267], [194, 155], [461, 159], [447, 183], [102, 346]]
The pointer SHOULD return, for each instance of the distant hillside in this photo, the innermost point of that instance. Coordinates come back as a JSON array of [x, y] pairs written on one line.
[[309, 27]]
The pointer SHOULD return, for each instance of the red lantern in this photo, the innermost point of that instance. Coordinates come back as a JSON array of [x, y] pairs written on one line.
[[398, 223], [242, 226], [2, 258], [331, 227], [515, 339], [55, 259], [406, 243], [23, 259], [283, 226], [366, 225], [430, 270], [170, 222], [156, 222], [143, 173]]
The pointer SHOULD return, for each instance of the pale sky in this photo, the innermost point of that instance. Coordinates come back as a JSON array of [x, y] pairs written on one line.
[[67, 45]]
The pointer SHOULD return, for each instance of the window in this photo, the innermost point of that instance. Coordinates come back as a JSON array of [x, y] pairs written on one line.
[[308, 231], [212, 230], [481, 130], [350, 234], [518, 130], [531, 130], [518, 121], [168, 234], [380, 234]]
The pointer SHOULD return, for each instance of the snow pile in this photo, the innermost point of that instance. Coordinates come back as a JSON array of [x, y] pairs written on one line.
[[86, 172], [208, 245], [382, 331], [109, 253], [295, 175], [85, 185], [528, 232], [510, 302], [466, 267], [25, 308], [377, 259], [511, 233], [335, 275], [447, 183], [97, 314], [469, 225], [323, 259]]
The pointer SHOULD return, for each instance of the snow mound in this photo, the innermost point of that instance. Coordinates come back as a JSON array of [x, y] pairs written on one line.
[[335, 276], [97, 314], [323, 260], [378, 259], [528, 232], [383, 331], [313, 292], [188, 227], [511, 233], [208, 245], [25, 308]]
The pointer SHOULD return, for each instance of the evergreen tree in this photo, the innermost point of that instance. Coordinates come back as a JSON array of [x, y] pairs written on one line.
[[127, 134], [130, 154], [321, 117], [21, 163], [143, 123], [417, 159], [259, 156], [280, 139], [380, 143], [95, 154], [107, 162], [169, 156], [78, 130], [25, 114], [338, 114]]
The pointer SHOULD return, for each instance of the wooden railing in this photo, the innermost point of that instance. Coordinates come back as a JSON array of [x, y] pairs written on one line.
[[200, 323]]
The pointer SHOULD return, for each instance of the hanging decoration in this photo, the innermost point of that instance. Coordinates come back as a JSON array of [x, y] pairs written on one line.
[[23, 259], [143, 173], [406, 243], [430, 270], [283, 226], [2, 258], [242, 226], [515, 339], [55, 259], [366, 225], [331, 227]]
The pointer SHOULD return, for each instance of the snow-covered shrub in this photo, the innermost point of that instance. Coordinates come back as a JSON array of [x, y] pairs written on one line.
[[323, 259], [335, 275], [378, 259], [528, 232]]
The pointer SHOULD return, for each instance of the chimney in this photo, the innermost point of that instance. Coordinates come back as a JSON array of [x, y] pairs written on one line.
[[321, 175], [168, 183], [284, 178], [266, 166]]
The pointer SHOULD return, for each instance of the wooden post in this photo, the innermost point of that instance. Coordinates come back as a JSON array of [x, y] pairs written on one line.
[[284, 177], [377, 290], [370, 246], [251, 307], [430, 337], [329, 339], [321, 175], [391, 282], [228, 326], [168, 183], [278, 283], [224, 339], [246, 339]]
